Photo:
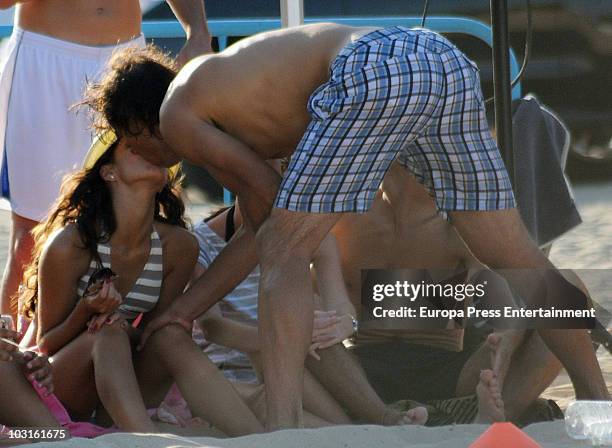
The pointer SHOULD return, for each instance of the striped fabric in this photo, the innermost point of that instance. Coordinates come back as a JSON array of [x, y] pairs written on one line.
[[402, 94], [145, 293], [239, 305]]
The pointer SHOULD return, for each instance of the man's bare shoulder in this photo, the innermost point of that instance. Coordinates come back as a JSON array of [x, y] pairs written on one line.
[[197, 79]]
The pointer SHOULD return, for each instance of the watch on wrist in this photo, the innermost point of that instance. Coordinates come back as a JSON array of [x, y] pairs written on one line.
[[355, 324]]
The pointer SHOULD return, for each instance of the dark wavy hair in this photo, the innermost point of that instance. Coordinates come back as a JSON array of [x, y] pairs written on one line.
[[128, 97], [85, 201]]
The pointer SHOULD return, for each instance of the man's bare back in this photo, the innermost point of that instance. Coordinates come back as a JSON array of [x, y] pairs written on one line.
[[257, 90], [86, 22]]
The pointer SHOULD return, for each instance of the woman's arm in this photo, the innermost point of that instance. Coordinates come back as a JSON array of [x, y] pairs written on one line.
[[337, 323], [61, 316], [228, 332]]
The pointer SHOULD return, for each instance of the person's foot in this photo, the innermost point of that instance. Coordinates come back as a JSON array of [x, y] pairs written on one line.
[[414, 416], [490, 403], [502, 345]]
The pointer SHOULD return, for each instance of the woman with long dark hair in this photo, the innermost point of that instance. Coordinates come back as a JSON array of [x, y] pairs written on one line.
[[112, 254]]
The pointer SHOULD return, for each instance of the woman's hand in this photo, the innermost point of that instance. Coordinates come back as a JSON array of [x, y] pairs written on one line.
[[38, 368], [329, 329], [99, 320], [105, 300], [7, 350]]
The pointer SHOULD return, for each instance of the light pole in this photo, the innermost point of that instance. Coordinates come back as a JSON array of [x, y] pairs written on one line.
[[292, 13]]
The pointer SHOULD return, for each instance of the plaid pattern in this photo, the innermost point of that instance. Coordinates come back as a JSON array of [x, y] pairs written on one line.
[[402, 94]]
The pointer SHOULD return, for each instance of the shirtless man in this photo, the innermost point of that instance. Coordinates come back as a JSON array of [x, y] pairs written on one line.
[[344, 103], [403, 229], [56, 47]]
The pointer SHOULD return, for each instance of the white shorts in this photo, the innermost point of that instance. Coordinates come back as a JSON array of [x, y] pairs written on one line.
[[40, 79]]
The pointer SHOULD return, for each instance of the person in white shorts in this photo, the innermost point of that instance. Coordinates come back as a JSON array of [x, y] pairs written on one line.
[[57, 46]]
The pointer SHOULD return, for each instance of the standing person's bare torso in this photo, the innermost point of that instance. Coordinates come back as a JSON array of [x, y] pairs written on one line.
[[257, 90], [86, 22]]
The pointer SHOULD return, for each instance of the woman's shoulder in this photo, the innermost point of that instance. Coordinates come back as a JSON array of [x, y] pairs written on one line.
[[66, 244], [176, 240]]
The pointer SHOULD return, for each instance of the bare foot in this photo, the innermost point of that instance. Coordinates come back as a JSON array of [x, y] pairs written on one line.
[[490, 403], [414, 416], [502, 345]]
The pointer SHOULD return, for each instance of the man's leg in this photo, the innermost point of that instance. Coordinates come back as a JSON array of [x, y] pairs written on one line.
[[285, 246], [499, 239], [19, 255]]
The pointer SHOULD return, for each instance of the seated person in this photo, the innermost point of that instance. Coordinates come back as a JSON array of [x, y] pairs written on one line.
[[404, 230], [232, 336], [122, 213], [20, 406]]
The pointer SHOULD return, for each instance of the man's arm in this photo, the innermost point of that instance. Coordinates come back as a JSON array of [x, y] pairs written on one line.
[[232, 265], [232, 163], [192, 16]]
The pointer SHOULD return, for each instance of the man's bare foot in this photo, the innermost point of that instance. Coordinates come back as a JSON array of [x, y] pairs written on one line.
[[490, 403], [414, 416], [502, 345]]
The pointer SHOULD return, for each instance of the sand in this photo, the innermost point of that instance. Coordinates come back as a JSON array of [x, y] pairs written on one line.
[[587, 247], [548, 435]]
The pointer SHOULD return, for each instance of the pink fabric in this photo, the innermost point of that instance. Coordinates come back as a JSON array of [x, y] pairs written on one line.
[[174, 410], [57, 409]]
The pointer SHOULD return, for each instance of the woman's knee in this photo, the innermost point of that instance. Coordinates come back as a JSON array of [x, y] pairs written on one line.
[[109, 335]]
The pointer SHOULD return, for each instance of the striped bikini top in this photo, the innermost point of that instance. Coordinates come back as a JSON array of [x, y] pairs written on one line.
[[146, 290]]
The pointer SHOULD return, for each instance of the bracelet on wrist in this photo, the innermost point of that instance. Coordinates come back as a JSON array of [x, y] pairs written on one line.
[[355, 324]]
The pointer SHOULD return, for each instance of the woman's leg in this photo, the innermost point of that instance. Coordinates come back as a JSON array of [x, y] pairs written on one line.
[[207, 392], [317, 400], [19, 404], [100, 366], [254, 396]]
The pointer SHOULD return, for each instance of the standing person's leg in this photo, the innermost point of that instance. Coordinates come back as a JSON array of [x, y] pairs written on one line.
[[285, 246], [317, 400], [19, 256], [500, 240]]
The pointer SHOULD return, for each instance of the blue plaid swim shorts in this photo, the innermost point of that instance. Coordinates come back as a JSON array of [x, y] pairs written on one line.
[[397, 94]]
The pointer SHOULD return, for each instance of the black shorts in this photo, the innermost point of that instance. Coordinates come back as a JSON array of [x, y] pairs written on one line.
[[399, 370]]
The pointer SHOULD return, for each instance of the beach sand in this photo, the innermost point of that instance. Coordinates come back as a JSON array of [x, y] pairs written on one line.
[[587, 247], [548, 435]]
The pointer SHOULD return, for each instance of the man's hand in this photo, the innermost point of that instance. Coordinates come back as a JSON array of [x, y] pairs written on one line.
[[194, 46], [168, 317], [192, 16], [38, 368]]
